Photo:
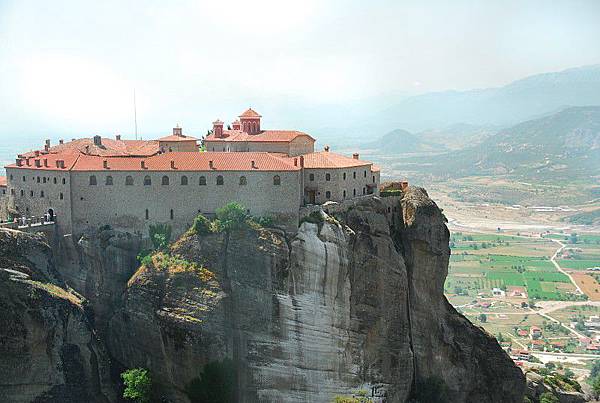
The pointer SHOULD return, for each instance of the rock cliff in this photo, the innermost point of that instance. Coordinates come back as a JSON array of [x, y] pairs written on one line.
[[48, 350], [353, 300]]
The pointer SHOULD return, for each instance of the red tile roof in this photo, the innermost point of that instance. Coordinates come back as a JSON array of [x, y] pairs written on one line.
[[267, 136], [189, 161], [3, 181], [174, 137], [327, 159], [109, 147], [250, 113]]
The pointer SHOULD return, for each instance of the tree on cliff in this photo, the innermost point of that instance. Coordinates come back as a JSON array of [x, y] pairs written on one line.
[[138, 385]]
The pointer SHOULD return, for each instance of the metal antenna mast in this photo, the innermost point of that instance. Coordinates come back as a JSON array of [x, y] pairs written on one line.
[[135, 115]]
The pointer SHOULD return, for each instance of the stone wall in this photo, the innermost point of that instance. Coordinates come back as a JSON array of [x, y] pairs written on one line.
[[354, 183]]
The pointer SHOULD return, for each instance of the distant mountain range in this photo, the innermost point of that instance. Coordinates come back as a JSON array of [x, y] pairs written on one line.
[[521, 100], [564, 145]]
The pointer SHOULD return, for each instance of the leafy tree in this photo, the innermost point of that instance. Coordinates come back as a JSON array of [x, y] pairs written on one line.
[[138, 385], [201, 225], [595, 370], [160, 235], [573, 238], [482, 317], [569, 373], [548, 397], [596, 386], [231, 216], [216, 384]]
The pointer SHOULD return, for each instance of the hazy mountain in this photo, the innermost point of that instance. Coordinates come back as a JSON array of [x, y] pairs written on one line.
[[521, 100], [402, 141], [564, 144]]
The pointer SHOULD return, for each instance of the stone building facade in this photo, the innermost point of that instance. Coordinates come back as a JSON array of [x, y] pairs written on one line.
[[130, 184]]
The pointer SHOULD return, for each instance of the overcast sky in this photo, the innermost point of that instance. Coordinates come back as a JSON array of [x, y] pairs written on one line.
[[71, 66]]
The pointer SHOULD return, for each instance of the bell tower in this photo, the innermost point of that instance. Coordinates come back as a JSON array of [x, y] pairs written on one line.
[[250, 121]]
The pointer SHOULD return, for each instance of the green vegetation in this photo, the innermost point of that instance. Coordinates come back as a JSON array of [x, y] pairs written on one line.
[[138, 385], [548, 397], [201, 225], [160, 235], [216, 384], [585, 218], [230, 217]]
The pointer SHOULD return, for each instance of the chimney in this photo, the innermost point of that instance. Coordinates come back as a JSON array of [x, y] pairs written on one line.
[[46, 162], [143, 164], [105, 164], [355, 156], [172, 164], [236, 125], [218, 128], [211, 165], [19, 162], [326, 148], [48, 142], [61, 141], [37, 153], [254, 165], [38, 163], [46, 147], [302, 161], [177, 131], [295, 162], [57, 162], [97, 140], [118, 137]]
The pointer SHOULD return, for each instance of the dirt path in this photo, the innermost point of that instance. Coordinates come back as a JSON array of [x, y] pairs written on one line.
[[560, 269]]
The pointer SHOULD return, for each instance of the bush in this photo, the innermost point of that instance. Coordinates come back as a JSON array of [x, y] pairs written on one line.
[[138, 385], [548, 397], [160, 235], [216, 384], [201, 225], [231, 216], [145, 257]]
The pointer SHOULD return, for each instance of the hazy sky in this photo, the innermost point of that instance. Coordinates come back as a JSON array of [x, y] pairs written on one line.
[[71, 66]]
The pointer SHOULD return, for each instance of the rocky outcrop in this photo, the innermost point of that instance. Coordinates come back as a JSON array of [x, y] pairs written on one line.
[[48, 350], [353, 300]]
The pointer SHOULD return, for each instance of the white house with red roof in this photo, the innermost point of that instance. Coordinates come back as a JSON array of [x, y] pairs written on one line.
[[130, 184]]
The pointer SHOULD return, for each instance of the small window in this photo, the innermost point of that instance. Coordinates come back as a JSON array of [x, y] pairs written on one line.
[[42, 193], [219, 180], [93, 181], [364, 191], [311, 177], [202, 181], [54, 181], [184, 180], [38, 179], [354, 175], [172, 214], [31, 193], [61, 196], [365, 175], [165, 180], [147, 214], [243, 181], [129, 180], [373, 178], [276, 180], [109, 180], [344, 194], [22, 193], [344, 175], [24, 179], [44, 180], [327, 177], [147, 180], [328, 195], [354, 192], [11, 177], [64, 181]]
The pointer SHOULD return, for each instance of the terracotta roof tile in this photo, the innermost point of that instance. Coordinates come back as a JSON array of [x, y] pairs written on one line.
[[174, 137], [327, 159], [109, 147], [282, 136], [250, 113]]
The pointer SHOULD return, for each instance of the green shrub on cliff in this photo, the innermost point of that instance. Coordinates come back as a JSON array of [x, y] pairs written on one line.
[[138, 385], [160, 235], [231, 216], [548, 397], [201, 225]]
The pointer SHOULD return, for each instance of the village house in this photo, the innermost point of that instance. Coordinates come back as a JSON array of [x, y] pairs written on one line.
[[129, 184], [535, 332], [497, 292], [522, 333]]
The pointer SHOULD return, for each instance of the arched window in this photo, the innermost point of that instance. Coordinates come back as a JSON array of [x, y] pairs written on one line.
[[365, 174], [38, 179], [147, 180], [61, 196], [24, 179], [165, 180], [344, 194], [311, 177], [202, 181], [54, 181], [354, 192], [42, 193], [184, 180], [64, 181], [129, 180], [243, 181], [44, 179], [219, 180], [172, 214], [31, 193], [109, 180], [327, 177], [93, 181], [328, 195], [147, 214], [344, 175], [354, 175], [276, 180]]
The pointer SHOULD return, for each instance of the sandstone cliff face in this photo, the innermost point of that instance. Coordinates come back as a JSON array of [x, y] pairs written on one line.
[[352, 301], [48, 350]]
